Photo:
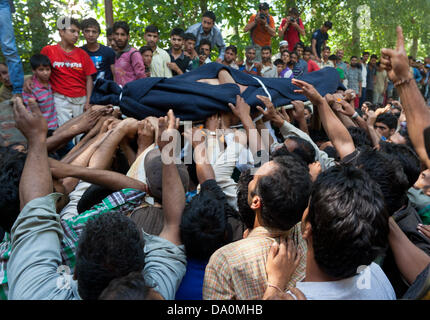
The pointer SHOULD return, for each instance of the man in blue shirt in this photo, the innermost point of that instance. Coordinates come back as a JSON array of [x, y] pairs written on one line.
[[319, 39], [102, 56], [207, 30]]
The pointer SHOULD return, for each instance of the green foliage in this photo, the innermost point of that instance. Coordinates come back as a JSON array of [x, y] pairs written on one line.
[[35, 21]]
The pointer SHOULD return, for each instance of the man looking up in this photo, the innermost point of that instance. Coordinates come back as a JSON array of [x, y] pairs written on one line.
[[160, 58], [72, 69], [102, 56], [319, 39], [250, 66], [268, 70], [262, 28], [180, 62], [292, 28], [230, 57], [129, 64], [207, 30]]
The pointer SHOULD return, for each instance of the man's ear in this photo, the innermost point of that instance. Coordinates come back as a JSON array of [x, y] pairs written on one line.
[[307, 231], [255, 203], [392, 131]]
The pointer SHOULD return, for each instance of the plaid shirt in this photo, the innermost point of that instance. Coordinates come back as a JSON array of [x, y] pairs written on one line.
[[122, 201], [238, 270]]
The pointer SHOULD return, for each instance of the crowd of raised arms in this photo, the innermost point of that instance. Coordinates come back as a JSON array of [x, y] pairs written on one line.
[[92, 205]]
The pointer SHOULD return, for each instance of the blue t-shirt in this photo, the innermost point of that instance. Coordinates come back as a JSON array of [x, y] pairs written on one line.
[[103, 59], [191, 287], [320, 38]]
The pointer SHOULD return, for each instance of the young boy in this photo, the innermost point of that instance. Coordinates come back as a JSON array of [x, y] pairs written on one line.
[[280, 65], [102, 56], [72, 70], [42, 92]]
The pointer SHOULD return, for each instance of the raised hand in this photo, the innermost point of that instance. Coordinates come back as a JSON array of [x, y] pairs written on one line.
[[32, 124], [309, 91], [395, 61], [241, 109]]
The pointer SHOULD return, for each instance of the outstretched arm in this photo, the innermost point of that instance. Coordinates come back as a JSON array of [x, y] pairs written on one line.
[[417, 113], [336, 131], [36, 178], [172, 189]]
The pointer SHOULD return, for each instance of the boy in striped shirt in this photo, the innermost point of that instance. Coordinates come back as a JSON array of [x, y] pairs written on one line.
[[41, 91]]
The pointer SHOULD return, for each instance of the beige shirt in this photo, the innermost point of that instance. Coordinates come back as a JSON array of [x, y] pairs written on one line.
[[158, 66], [323, 64]]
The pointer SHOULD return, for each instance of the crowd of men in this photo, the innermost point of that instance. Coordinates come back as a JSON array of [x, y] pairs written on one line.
[[91, 208]]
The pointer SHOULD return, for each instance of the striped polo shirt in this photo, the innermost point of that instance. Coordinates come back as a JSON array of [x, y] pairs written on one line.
[[44, 97]]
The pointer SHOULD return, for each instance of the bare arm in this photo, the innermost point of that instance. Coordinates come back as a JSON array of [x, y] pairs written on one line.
[[336, 131], [172, 190], [89, 91], [106, 178], [410, 259], [36, 179]]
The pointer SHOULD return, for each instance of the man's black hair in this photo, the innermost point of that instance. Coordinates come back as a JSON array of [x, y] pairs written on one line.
[[352, 57], [211, 15], [348, 219], [293, 11], [205, 41], [177, 32], [110, 247], [365, 53], [331, 152], [152, 28], [388, 119], [232, 48], [129, 287], [251, 47], [386, 171], [294, 52], [246, 214], [38, 60], [144, 49], [278, 61], [66, 22], [304, 149], [370, 105], [307, 49], [407, 157], [265, 48], [328, 24], [3, 63], [90, 22], [333, 57], [203, 225], [284, 193], [359, 136], [299, 44], [374, 56], [326, 48], [189, 36], [121, 25], [109, 31], [11, 164]]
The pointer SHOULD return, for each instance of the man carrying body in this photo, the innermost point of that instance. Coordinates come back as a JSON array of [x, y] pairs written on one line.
[[160, 58], [262, 28], [129, 64], [207, 30], [319, 39], [72, 69], [268, 70], [180, 62], [102, 56]]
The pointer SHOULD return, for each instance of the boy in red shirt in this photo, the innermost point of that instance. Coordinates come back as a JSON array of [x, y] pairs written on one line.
[[72, 68]]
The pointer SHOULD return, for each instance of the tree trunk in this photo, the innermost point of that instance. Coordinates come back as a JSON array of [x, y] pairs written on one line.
[[203, 6], [355, 30], [290, 4], [414, 47], [39, 32], [108, 13]]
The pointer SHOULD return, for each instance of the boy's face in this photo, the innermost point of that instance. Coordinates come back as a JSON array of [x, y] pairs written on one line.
[[177, 42], [4, 75], [91, 34], [43, 73], [279, 68], [207, 24], [70, 35], [229, 56], [121, 38], [189, 45], [151, 39], [206, 50], [306, 56], [147, 57]]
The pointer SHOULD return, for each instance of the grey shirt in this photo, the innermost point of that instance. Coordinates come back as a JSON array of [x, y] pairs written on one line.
[[35, 271]]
